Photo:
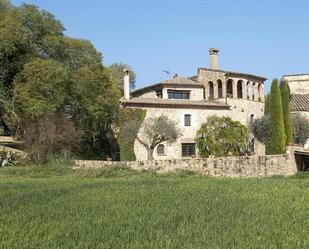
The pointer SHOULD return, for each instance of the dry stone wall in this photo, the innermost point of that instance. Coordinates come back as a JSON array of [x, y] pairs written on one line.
[[246, 166]]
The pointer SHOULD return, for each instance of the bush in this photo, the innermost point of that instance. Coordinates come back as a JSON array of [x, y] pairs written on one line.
[[301, 128], [221, 136], [50, 138], [260, 128], [126, 140], [7, 159]]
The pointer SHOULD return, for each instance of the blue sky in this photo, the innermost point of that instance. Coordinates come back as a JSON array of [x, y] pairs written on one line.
[[266, 37]]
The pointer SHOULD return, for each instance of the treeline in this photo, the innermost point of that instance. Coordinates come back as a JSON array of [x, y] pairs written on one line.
[[56, 95]]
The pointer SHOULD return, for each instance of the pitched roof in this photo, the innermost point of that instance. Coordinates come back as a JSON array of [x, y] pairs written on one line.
[[176, 103], [177, 81], [300, 102], [230, 73]]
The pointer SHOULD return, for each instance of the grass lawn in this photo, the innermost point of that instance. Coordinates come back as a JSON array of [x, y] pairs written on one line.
[[58, 208]]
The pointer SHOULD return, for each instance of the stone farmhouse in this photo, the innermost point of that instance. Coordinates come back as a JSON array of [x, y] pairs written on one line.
[[190, 100]]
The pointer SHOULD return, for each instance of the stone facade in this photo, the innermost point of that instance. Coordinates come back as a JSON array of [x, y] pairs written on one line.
[[298, 83], [246, 166], [299, 89], [211, 92], [241, 110]]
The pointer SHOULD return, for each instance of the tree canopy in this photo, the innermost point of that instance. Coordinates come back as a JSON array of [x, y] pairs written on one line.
[[221, 136], [45, 74]]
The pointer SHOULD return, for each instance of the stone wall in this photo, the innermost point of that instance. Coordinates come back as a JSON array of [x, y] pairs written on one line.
[[247, 166], [299, 84]]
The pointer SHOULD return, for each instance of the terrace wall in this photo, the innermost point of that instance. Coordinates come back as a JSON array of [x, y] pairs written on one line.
[[245, 166]]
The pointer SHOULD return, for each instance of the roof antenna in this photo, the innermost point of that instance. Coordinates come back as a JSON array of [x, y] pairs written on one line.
[[167, 72]]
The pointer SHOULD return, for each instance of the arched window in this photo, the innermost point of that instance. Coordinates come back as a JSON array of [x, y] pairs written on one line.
[[229, 88], [220, 90], [160, 150], [253, 92], [211, 89], [239, 89], [251, 118], [260, 91], [247, 89]]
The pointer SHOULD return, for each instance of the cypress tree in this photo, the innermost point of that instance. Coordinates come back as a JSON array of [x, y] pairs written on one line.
[[287, 120], [277, 140], [267, 104]]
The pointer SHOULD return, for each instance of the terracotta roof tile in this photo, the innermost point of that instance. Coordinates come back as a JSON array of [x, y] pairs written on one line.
[[300, 102], [179, 103]]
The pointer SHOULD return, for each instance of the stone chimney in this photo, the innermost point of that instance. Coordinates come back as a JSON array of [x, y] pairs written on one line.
[[214, 58], [126, 83]]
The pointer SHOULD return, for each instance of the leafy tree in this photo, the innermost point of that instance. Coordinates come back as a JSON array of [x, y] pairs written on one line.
[[261, 129], [276, 144], [286, 109], [221, 136], [301, 128], [116, 71], [153, 132], [41, 88]]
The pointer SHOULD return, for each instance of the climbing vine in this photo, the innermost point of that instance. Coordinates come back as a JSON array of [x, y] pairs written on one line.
[[126, 140]]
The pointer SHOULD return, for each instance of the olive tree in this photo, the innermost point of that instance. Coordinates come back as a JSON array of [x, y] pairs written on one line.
[[301, 128], [260, 128], [221, 136], [153, 132]]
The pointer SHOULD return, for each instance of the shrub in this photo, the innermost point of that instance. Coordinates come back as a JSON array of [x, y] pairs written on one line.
[[301, 128], [7, 159], [260, 128], [126, 140], [221, 136]]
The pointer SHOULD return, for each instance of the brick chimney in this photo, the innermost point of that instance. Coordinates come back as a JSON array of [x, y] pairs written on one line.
[[213, 52], [126, 83]]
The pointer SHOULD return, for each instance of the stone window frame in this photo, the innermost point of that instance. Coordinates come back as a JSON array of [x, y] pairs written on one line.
[[178, 94], [161, 150], [187, 120], [188, 149]]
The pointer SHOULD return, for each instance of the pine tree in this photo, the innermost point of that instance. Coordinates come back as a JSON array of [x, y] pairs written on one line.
[[287, 120], [277, 140]]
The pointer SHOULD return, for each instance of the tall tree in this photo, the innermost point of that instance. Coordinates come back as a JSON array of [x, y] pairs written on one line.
[[286, 108], [276, 144], [116, 71], [267, 104]]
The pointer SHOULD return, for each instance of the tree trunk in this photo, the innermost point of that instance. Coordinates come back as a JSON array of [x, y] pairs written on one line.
[[150, 153]]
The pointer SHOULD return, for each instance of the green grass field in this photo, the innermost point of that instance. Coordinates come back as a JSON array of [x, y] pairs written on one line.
[[57, 208]]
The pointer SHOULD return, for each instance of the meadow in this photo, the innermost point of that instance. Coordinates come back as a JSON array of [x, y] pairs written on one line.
[[51, 207]]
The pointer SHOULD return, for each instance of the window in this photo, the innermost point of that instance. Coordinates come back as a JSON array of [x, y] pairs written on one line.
[[251, 118], [188, 150], [160, 150], [178, 94], [187, 120], [159, 94]]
